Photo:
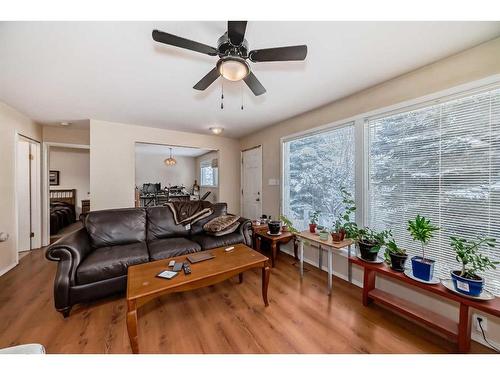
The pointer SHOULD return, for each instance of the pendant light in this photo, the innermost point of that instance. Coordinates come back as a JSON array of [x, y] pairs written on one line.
[[170, 162]]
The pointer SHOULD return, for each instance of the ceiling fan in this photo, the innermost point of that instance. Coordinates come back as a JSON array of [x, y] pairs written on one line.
[[233, 52]]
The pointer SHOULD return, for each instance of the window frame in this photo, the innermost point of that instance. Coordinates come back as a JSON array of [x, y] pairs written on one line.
[[308, 133], [361, 135], [203, 164]]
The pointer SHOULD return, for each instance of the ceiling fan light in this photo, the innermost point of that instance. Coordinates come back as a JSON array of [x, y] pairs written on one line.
[[233, 68]]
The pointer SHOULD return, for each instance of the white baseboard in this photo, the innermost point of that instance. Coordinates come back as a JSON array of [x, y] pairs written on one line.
[[7, 269]]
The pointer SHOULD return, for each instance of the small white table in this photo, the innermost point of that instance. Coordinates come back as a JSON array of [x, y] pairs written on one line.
[[330, 246]]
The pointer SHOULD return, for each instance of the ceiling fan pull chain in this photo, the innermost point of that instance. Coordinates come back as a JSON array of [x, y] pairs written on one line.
[[241, 91], [222, 95]]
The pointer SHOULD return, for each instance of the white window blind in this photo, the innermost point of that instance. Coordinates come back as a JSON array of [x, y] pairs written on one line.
[[315, 167], [442, 162]]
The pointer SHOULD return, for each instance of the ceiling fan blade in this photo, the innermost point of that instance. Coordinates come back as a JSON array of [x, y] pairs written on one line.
[[254, 84], [207, 80], [290, 53], [236, 31], [177, 41]]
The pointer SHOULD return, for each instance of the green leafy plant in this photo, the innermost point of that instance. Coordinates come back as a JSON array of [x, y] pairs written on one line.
[[472, 261], [375, 239], [392, 248], [421, 230], [344, 222], [348, 203], [351, 230], [314, 216], [288, 223]]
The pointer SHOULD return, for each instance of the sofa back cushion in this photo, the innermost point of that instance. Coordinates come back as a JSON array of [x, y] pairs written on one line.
[[219, 209], [161, 224], [116, 227]]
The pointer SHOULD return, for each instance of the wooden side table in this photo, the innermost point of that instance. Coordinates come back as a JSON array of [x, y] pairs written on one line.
[[457, 332], [274, 241]]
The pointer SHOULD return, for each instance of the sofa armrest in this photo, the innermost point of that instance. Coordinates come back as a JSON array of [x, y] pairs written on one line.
[[69, 251], [245, 229]]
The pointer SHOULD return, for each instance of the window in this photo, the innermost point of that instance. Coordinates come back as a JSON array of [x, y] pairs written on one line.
[[443, 162], [315, 167], [209, 173]]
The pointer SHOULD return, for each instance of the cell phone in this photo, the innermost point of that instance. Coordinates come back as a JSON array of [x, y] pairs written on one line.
[[167, 274], [177, 266]]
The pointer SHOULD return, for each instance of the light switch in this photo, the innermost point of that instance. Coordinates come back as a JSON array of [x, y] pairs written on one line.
[[273, 182]]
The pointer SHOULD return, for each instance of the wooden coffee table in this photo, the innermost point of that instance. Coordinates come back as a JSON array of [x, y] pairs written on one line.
[[143, 285]]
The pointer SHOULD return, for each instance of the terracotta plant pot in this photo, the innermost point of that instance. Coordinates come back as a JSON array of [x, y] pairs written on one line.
[[336, 236], [312, 228]]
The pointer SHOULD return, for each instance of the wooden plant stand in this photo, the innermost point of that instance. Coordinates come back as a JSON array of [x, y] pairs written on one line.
[[459, 333]]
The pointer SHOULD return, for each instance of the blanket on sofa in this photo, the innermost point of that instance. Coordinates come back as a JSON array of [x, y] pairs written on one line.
[[189, 212]]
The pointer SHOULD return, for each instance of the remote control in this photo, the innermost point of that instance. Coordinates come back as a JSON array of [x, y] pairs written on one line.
[[177, 266], [186, 268]]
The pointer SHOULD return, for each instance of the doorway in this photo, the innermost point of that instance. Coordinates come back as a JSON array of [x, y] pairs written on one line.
[[251, 183], [66, 189], [28, 195]]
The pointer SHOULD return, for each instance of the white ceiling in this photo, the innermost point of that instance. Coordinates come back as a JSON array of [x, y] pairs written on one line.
[[67, 71], [155, 149]]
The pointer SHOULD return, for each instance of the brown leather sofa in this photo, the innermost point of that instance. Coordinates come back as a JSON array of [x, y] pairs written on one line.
[[93, 261]]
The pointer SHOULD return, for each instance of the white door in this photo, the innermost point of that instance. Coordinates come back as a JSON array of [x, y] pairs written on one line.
[[251, 183], [23, 196], [28, 195]]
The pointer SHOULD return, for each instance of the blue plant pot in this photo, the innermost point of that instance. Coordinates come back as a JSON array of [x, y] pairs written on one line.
[[471, 287], [422, 270]]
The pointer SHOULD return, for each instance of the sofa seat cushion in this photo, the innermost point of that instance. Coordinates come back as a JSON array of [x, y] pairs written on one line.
[[207, 241], [111, 261], [171, 247]]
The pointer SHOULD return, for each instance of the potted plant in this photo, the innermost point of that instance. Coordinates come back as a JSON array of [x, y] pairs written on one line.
[[339, 231], [395, 256], [370, 242], [314, 216], [422, 230], [323, 234], [287, 225], [467, 280]]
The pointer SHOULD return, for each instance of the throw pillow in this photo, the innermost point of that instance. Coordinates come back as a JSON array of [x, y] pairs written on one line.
[[220, 223], [228, 230]]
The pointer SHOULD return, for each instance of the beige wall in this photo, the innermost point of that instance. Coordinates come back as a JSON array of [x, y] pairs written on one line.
[[112, 164], [11, 122], [73, 165], [67, 134], [471, 65]]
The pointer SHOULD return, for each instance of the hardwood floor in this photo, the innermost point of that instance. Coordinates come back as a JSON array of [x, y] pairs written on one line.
[[225, 318]]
